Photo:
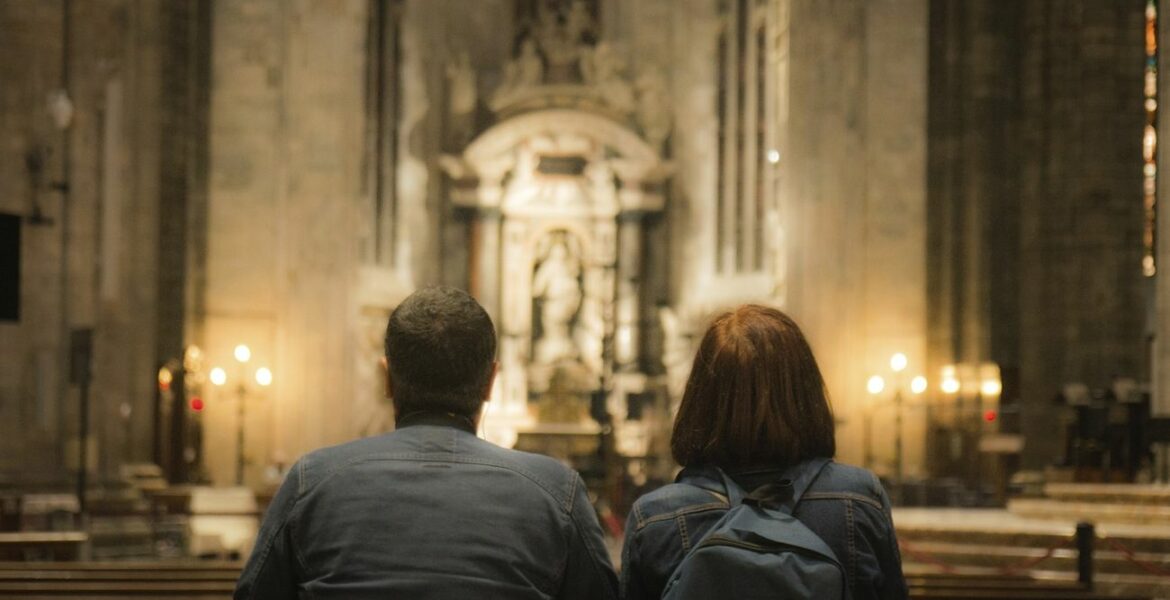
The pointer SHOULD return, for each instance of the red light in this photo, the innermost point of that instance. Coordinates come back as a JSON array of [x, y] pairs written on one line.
[[196, 404], [990, 416]]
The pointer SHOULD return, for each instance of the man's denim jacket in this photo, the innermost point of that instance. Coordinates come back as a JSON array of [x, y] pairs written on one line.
[[845, 506], [429, 511]]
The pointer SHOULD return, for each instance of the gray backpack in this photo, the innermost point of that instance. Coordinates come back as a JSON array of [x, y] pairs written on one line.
[[759, 550]]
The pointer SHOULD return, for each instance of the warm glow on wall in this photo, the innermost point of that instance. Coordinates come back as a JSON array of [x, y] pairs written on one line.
[[264, 376]]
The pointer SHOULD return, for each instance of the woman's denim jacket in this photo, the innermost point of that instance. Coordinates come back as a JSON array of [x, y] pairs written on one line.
[[846, 506]]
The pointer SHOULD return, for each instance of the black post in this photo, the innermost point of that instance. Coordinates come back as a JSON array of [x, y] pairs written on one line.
[[81, 349], [241, 460], [1086, 535], [899, 485]]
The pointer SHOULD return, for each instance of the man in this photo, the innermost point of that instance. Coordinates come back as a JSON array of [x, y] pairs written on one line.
[[430, 510]]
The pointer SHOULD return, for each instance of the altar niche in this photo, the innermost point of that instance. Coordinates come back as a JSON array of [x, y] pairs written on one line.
[[556, 199]]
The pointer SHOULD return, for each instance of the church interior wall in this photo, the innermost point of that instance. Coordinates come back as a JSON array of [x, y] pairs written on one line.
[[855, 199], [285, 201], [954, 180], [1035, 230], [104, 192], [1081, 222]]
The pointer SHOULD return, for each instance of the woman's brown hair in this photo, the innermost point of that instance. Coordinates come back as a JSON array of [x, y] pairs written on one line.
[[755, 396]]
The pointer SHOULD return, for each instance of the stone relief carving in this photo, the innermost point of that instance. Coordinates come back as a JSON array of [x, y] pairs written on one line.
[[561, 50], [574, 156]]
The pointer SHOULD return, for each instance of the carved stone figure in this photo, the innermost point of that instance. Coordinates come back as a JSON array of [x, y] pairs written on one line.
[[561, 46], [557, 284], [461, 77], [524, 71], [461, 98], [653, 111], [529, 69], [589, 334], [579, 25], [602, 67], [676, 351]]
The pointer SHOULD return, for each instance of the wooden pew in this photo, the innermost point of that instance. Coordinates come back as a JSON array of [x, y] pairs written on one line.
[[106, 580], [53, 545], [1000, 587], [216, 580], [187, 590]]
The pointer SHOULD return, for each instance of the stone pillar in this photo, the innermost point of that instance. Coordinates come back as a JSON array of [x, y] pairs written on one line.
[[1160, 361], [1160, 369], [485, 272], [629, 277], [855, 194], [285, 198]]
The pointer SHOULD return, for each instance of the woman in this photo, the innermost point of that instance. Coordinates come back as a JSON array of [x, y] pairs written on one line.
[[755, 406]]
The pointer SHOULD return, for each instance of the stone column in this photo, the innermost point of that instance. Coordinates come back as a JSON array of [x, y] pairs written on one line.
[[629, 276], [1160, 399], [856, 197], [1160, 359], [485, 258]]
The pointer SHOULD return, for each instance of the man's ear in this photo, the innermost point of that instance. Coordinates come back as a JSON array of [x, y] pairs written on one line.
[[486, 393], [388, 380]]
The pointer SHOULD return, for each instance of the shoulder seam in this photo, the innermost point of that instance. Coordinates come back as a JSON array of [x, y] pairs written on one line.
[[843, 496], [695, 508], [547, 487]]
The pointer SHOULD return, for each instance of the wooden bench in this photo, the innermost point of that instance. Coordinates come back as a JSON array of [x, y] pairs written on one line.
[[85, 580], [216, 580], [41, 545], [188, 590], [995, 587]]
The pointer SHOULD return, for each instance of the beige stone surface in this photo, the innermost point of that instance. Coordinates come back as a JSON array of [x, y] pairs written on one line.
[[855, 197]]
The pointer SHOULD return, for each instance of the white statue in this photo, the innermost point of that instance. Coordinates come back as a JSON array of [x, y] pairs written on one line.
[[558, 286]]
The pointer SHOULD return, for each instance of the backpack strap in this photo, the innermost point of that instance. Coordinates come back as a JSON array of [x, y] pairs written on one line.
[[735, 493], [784, 494], [802, 477]]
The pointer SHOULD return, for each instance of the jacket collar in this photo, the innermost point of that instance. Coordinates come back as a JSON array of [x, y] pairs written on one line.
[[436, 418]]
